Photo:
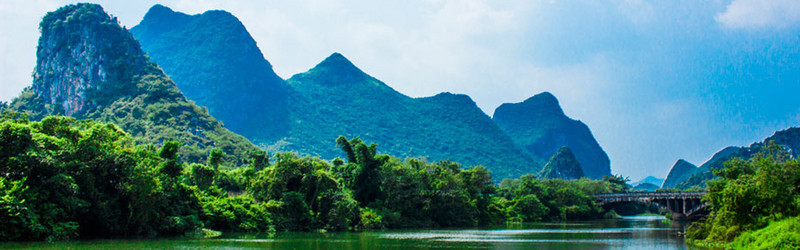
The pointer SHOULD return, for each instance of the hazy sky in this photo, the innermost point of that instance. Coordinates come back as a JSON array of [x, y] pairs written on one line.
[[654, 80]]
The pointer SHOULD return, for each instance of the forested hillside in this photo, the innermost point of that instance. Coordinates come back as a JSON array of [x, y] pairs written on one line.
[[336, 98], [789, 139], [539, 125], [88, 66], [216, 63], [63, 178]]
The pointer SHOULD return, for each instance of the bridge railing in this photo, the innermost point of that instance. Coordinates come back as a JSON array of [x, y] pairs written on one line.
[[650, 195]]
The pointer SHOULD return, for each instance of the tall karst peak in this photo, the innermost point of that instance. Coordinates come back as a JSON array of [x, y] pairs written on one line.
[[331, 99], [88, 66], [540, 126], [217, 64], [83, 54]]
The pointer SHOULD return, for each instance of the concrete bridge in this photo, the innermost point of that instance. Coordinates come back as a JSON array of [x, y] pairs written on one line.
[[682, 205]]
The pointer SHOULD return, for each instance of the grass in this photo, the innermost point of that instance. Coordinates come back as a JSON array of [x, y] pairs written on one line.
[[784, 234]]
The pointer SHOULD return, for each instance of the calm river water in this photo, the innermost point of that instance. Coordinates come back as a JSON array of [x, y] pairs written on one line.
[[636, 232]]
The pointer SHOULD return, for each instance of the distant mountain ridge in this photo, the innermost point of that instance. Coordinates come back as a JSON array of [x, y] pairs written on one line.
[[336, 98], [90, 67], [789, 138], [649, 179]]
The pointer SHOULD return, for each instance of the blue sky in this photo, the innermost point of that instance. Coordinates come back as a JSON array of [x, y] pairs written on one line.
[[655, 80]]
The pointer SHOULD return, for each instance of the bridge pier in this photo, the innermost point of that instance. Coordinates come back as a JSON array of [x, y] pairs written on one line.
[[680, 205]]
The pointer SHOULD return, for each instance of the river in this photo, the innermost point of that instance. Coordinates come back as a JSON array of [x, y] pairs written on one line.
[[635, 232]]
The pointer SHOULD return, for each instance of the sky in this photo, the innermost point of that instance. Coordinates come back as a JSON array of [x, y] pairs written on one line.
[[655, 81]]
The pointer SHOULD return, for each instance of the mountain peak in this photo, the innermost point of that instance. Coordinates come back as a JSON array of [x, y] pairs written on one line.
[[335, 70], [544, 101], [90, 67], [339, 63], [228, 73], [679, 172], [447, 97], [158, 10], [540, 126], [562, 165], [83, 53]]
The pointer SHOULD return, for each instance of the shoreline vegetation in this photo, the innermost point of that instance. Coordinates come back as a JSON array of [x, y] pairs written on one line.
[[65, 179], [755, 203]]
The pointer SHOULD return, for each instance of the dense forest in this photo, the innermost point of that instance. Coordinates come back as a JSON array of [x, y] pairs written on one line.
[[134, 157], [754, 203], [63, 178]]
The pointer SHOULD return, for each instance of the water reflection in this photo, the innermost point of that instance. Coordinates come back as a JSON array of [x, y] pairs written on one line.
[[638, 232]]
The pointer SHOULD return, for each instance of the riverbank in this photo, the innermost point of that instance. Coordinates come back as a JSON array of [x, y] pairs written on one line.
[[629, 231]]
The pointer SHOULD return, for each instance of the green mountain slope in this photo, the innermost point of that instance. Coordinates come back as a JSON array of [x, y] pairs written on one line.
[[680, 171], [332, 99], [540, 126], [336, 98], [217, 64], [562, 165], [90, 67], [788, 138]]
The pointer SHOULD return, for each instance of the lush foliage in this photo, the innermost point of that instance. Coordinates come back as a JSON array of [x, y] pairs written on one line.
[[784, 234], [60, 178], [63, 178], [113, 81], [750, 195], [788, 138]]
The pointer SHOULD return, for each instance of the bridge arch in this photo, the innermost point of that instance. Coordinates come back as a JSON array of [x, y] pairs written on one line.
[[681, 205]]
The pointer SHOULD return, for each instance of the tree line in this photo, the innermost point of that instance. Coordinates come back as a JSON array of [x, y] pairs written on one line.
[[62, 178]]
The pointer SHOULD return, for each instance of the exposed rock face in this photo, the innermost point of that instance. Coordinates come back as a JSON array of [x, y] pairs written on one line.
[[90, 67], [540, 126], [80, 55], [562, 165], [679, 172]]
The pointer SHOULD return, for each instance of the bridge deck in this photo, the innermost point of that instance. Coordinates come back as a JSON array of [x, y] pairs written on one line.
[[680, 203], [687, 195]]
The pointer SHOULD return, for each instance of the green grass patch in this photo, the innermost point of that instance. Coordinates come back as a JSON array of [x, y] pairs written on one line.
[[784, 234]]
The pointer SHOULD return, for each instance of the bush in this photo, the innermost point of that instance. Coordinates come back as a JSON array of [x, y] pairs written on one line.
[[784, 234]]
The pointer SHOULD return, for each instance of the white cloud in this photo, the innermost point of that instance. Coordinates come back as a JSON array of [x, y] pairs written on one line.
[[754, 14]]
